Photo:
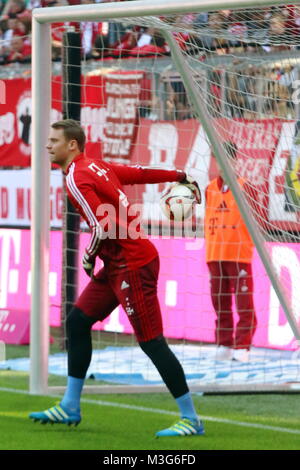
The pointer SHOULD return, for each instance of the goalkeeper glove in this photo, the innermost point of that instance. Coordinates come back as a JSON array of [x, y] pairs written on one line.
[[193, 185], [88, 265]]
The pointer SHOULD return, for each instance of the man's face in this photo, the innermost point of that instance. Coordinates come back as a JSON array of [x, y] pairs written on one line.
[[58, 147]]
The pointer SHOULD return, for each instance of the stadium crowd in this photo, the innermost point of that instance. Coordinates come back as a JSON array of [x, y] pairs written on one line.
[[272, 28], [264, 30]]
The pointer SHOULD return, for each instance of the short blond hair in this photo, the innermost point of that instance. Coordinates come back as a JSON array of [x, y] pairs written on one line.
[[72, 131]]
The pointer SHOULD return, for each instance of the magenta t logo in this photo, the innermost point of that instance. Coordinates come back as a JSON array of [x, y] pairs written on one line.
[[2, 92]]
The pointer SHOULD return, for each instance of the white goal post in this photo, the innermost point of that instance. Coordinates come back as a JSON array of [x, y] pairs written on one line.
[[41, 107]]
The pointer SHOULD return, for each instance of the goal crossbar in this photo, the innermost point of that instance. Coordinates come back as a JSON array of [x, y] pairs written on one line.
[[140, 8]]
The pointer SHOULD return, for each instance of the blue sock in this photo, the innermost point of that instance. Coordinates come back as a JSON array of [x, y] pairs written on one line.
[[186, 407], [71, 399]]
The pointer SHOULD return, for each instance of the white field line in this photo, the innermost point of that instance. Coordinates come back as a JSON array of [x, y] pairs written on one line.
[[264, 427]]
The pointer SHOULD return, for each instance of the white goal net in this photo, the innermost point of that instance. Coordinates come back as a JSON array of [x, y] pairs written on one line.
[[184, 90]]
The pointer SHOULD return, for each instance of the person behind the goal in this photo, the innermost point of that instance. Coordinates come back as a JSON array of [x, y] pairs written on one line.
[[129, 276], [229, 252]]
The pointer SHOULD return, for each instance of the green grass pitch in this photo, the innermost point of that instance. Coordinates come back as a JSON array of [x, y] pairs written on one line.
[[129, 422]]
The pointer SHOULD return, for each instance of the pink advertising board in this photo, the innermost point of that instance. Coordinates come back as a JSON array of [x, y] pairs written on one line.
[[183, 289]]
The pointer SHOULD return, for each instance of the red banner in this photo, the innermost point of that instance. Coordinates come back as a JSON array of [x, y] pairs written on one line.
[[108, 115], [15, 122], [122, 91]]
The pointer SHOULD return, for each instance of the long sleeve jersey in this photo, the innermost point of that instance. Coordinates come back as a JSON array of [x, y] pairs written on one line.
[[95, 188]]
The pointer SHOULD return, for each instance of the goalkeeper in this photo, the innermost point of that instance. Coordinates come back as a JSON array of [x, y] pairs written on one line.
[[129, 276]]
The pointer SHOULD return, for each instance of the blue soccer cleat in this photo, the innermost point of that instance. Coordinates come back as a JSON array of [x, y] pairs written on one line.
[[184, 427], [56, 414]]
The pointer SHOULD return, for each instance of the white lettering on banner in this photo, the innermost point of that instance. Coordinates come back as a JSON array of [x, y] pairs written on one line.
[[5, 326], [124, 108], [171, 294], [23, 209], [121, 129], [15, 209], [276, 191], [259, 135], [122, 89], [2, 92], [253, 170], [284, 258], [162, 144], [56, 203], [8, 239], [13, 282], [117, 146], [92, 121], [26, 149], [3, 315], [7, 132], [55, 115], [197, 165], [4, 203], [52, 283]]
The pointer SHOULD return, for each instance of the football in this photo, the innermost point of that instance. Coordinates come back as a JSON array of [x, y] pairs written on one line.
[[178, 202]]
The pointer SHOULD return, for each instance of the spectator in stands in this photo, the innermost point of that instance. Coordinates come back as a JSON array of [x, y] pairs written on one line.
[[126, 42], [200, 20], [20, 50], [31, 4], [292, 23], [17, 26], [145, 37], [238, 32], [105, 38], [156, 46], [212, 39], [148, 101], [177, 104], [249, 84], [57, 29], [89, 31], [215, 92], [5, 38], [257, 22], [278, 37], [234, 97], [229, 250], [100, 47], [14, 7]]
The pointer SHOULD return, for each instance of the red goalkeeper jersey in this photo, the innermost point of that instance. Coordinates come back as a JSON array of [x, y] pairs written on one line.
[[95, 189]]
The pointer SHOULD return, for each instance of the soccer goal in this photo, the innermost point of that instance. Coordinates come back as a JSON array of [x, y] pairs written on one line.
[[178, 80]]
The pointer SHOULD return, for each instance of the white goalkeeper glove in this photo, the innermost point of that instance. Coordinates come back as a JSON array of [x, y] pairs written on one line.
[[88, 265], [193, 185]]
